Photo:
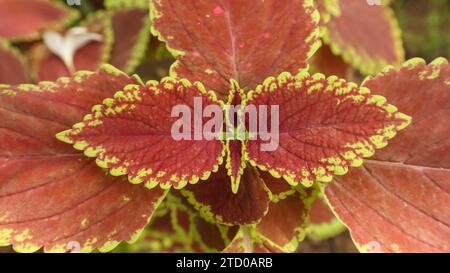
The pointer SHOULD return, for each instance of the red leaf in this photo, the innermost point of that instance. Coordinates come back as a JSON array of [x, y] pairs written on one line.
[[124, 4], [320, 212], [218, 41], [12, 65], [235, 147], [209, 235], [235, 162], [49, 67], [278, 187], [323, 223], [284, 225], [325, 62], [131, 36], [400, 200], [206, 236], [244, 242], [325, 126], [24, 19], [369, 41], [50, 195], [216, 202], [280, 230], [132, 134]]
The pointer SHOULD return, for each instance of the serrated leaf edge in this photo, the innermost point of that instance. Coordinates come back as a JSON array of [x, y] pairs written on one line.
[[376, 140]]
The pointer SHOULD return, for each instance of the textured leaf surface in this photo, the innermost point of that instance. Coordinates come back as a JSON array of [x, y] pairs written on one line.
[[369, 41], [326, 62], [284, 225], [132, 134], [12, 65], [49, 67], [216, 201], [51, 195], [131, 29], [215, 41], [25, 19], [323, 224], [325, 126], [278, 187], [405, 189]]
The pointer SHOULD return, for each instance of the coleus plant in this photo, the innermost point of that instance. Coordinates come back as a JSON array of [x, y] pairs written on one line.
[[227, 195]]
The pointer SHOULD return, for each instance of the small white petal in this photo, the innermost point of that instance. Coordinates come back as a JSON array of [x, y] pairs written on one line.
[[66, 46], [77, 31]]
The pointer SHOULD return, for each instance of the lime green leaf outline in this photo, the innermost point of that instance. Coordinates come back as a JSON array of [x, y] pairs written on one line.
[[358, 153], [141, 45], [5, 44], [325, 230], [120, 4], [307, 5], [72, 16], [206, 210], [409, 64], [108, 36], [364, 62], [93, 119]]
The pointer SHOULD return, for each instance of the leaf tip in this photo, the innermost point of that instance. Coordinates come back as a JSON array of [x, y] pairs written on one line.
[[64, 136], [411, 63], [439, 61], [112, 70], [406, 120]]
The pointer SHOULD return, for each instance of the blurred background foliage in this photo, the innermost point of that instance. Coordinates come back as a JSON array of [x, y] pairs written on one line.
[[425, 27]]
